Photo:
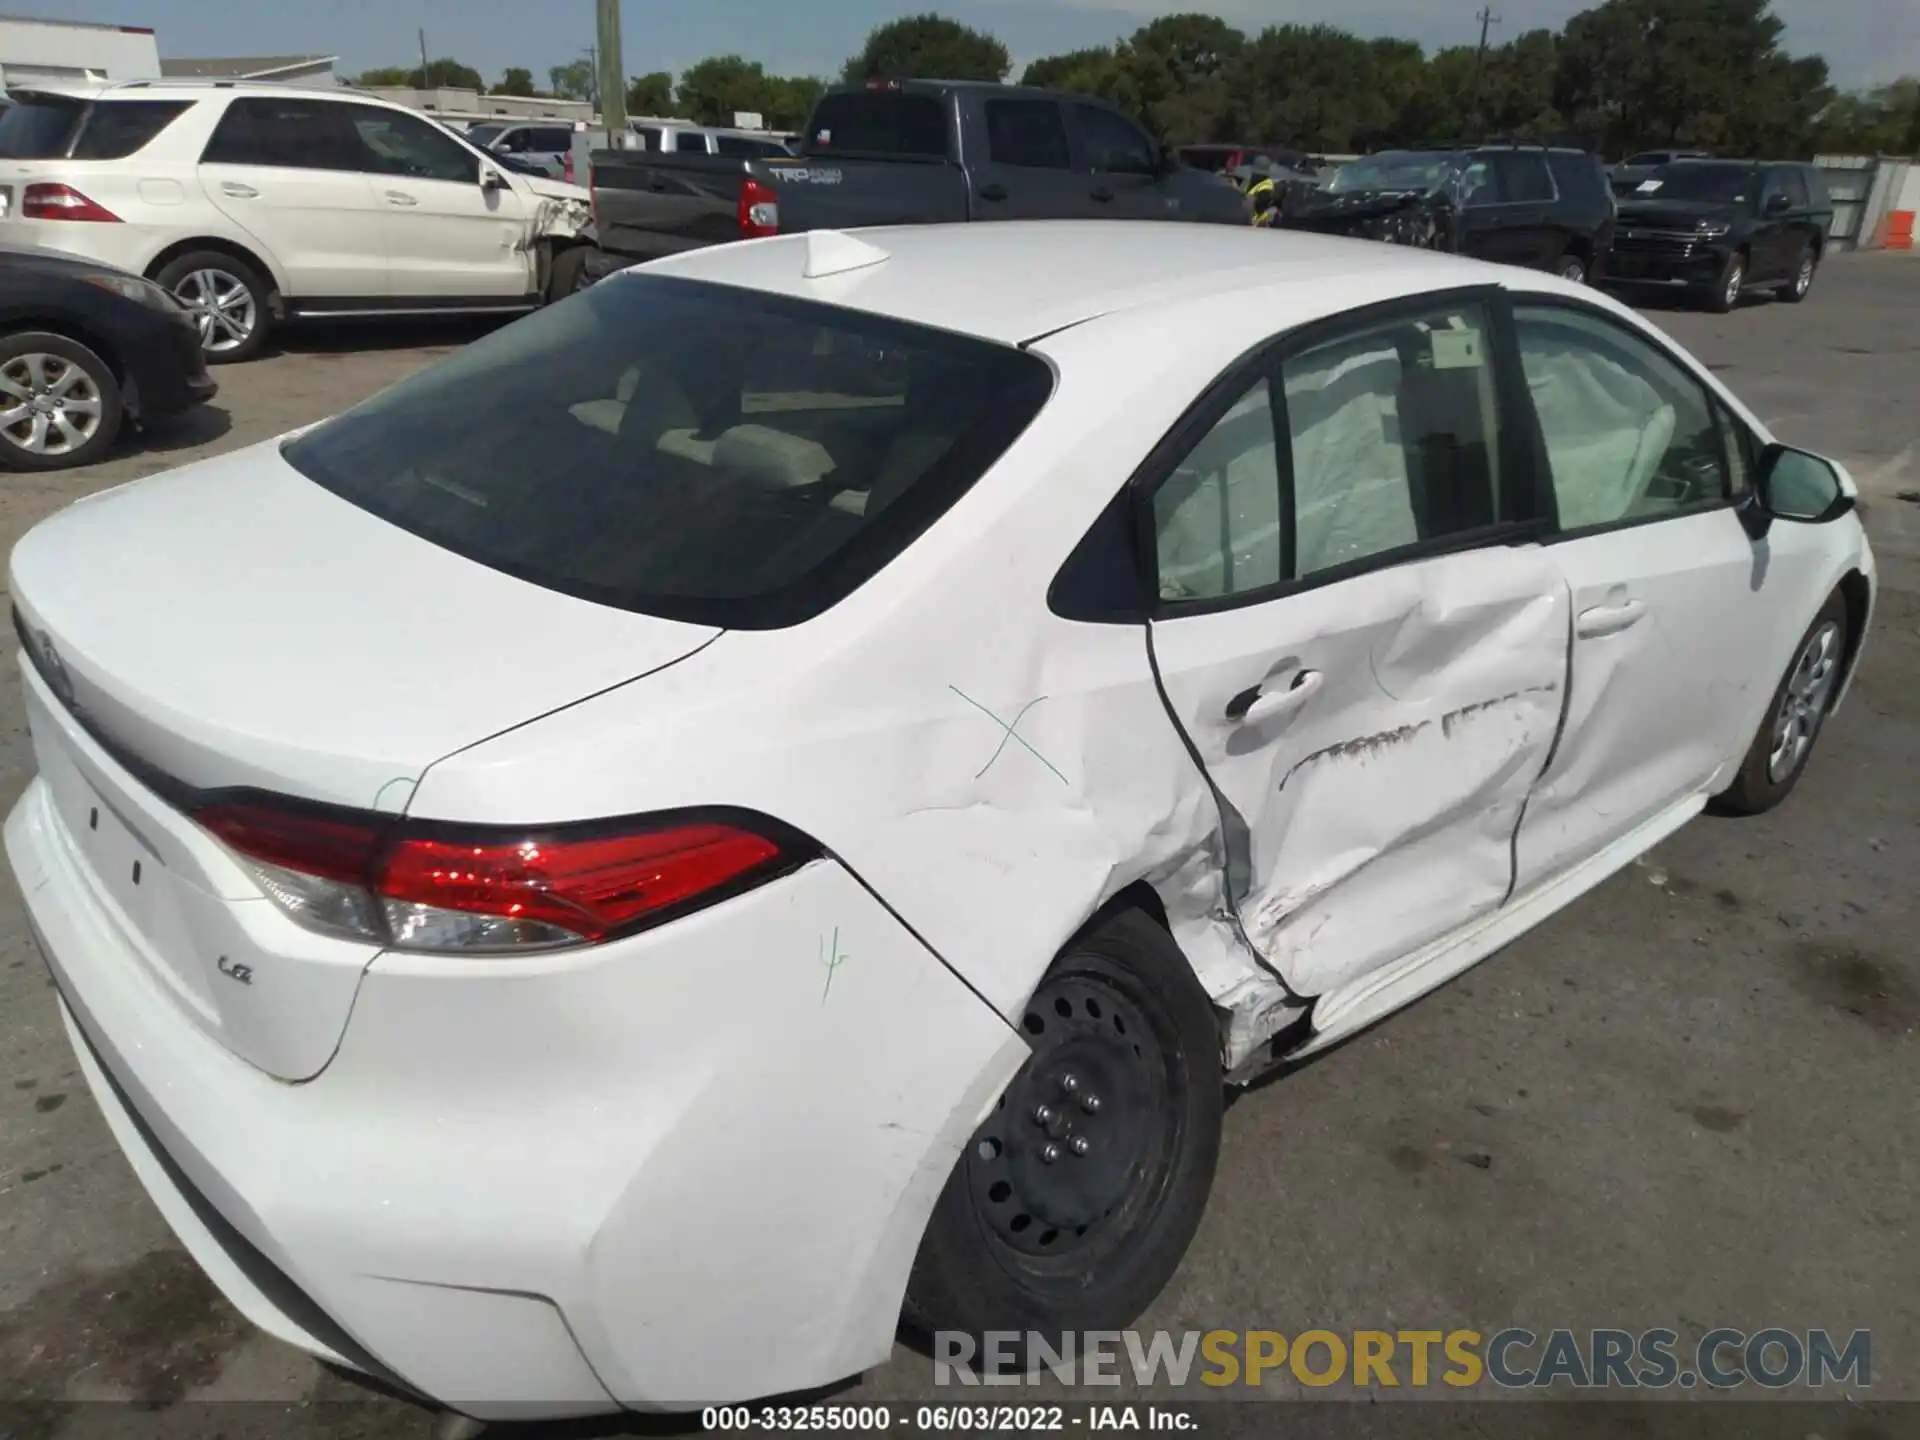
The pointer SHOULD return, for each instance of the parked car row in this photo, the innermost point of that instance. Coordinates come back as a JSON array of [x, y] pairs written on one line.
[[258, 204]]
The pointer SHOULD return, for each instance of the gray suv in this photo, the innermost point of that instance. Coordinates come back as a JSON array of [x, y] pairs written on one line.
[[542, 145]]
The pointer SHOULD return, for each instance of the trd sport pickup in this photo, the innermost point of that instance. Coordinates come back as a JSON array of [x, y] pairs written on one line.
[[895, 152]]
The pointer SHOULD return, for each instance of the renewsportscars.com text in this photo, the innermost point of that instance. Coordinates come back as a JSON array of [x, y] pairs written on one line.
[[1515, 1358]]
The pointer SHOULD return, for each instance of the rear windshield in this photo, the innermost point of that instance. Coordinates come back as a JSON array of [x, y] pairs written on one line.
[[50, 128], [879, 122], [1693, 180], [39, 129], [695, 451]]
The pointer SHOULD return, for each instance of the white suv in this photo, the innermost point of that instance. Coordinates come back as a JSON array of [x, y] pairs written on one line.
[[255, 203]]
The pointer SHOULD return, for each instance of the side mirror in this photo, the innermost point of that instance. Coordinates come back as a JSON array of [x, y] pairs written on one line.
[[1796, 486], [1779, 204], [491, 180]]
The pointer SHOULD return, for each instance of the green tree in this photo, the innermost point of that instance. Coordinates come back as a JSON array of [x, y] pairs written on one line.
[[790, 99], [650, 94], [572, 81], [1058, 72], [1883, 121], [713, 90], [388, 77], [449, 73], [929, 47], [516, 81]]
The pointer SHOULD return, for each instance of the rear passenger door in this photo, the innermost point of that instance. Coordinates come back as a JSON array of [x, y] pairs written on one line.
[[1511, 220], [291, 172], [1358, 633], [1122, 164], [1776, 239], [1027, 172]]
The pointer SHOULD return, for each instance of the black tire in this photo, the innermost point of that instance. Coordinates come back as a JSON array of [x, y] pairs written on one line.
[[563, 278], [1572, 266], [181, 275], [79, 379], [1805, 265], [1762, 783], [1724, 297], [1087, 1240]]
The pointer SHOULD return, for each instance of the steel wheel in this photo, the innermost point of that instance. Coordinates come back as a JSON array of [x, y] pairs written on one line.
[[224, 308], [1804, 704], [1573, 268], [52, 406], [1081, 1127]]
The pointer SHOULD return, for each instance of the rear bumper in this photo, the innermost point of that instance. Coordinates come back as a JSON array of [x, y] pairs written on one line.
[[688, 1167]]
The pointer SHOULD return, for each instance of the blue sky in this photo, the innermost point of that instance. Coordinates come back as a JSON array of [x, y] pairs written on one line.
[[1865, 40]]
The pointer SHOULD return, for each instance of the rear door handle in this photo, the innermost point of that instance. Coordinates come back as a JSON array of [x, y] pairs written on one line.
[[237, 190], [1250, 707], [1610, 619], [993, 192], [400, 197]]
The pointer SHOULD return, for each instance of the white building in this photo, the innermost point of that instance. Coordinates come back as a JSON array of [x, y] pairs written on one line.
[[34, 52], [448, 102], [286, 69]]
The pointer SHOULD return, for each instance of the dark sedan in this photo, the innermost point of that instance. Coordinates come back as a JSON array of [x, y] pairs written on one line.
[[84, 348]]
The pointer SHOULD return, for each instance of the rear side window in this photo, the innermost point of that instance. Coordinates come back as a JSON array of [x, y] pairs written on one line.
[[1113, 144], [1385, 437], [746, 145], [291, 133], [880, 122], [1794, 182], [1027, 133], [702, 452], [40, 129], [115, 129], [1578, 175], [550, 141], [690, 140], [1817, 194], [1522, 177]]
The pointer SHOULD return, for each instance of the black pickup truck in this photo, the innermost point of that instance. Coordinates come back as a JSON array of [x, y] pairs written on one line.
[[893, 152]]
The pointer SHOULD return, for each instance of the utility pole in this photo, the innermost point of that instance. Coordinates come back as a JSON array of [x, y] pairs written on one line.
[[611, 70], [1486, 17], [425, 79]]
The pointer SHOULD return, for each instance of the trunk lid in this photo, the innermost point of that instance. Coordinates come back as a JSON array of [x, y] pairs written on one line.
[[233, 624]]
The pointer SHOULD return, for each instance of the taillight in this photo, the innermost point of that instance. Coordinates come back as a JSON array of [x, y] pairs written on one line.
[[470, 890], [61, 202], [566, 167], [759, 210]]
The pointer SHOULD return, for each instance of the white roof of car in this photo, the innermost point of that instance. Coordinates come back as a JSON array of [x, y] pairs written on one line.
[[1013, 281]]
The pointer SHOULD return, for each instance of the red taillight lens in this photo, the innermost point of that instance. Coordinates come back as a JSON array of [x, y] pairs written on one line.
[[566, 166], [587, 887], [470, 890], [759, 210], [61, 202]]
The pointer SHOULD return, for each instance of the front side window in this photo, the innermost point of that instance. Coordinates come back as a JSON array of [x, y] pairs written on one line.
[[649, 137], [551, 141], [1027, 133], [289, 133], [1629, 433], [697, 451], [689, 141], [1113, 144], [1391, 440], [402, 144]]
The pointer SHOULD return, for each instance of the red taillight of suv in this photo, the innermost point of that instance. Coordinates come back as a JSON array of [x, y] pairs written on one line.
[[482, 890], [61, 202], [759, 210]]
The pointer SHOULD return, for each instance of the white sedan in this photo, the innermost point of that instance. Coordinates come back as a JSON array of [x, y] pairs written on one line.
[[782, 787]]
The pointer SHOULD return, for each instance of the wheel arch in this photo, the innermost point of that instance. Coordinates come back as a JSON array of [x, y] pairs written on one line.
[[1857, 591], [29, 321], [230, 248]]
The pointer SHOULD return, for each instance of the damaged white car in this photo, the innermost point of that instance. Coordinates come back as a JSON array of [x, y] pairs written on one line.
[[257, 203], [782, 787]]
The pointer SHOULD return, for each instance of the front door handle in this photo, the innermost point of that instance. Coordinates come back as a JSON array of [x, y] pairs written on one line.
[[400, 197], [1610, 619], [1250, 707], [993, 192], [238, 191]]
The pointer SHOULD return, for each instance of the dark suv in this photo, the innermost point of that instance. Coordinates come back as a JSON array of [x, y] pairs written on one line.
[[1536, 205], [1721, 228]]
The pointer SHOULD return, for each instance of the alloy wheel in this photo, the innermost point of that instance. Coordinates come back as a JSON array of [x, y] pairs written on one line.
[[1804, 705], [223, 308], [1803, 281], [48, 404], [1736, 282]]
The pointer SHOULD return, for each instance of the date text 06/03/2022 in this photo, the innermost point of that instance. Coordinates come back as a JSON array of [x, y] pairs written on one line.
[[943, 1419]]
